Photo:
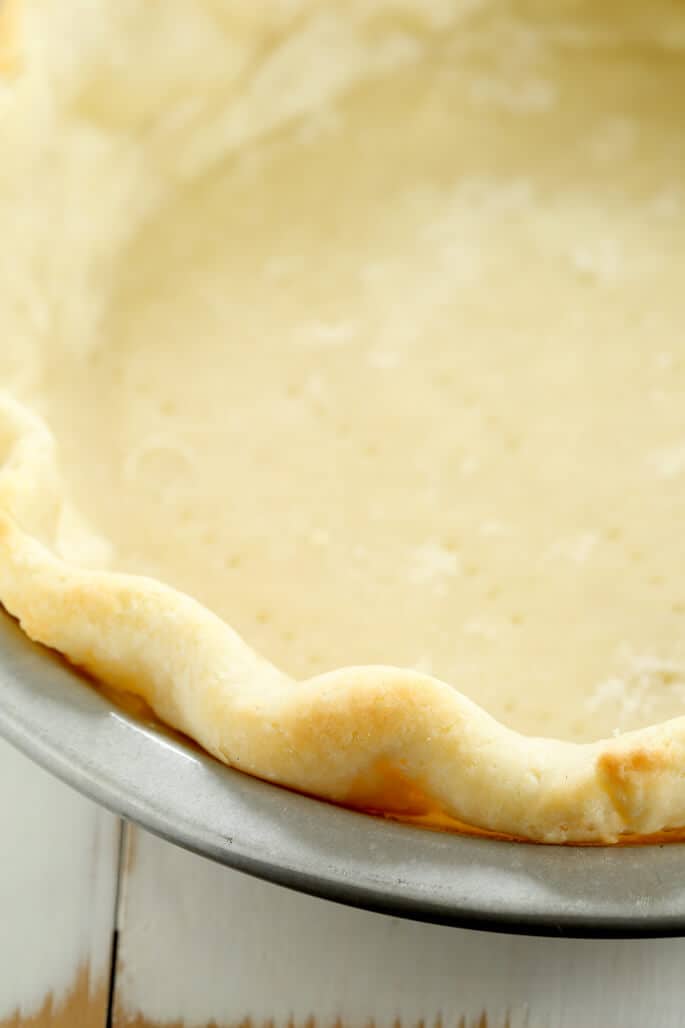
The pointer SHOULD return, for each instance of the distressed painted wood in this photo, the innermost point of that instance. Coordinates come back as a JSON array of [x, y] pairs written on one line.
[[201, 945], [58, 870]]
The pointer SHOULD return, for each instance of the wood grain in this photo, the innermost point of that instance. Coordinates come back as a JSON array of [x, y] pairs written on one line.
[[58, 872], [203, 946]]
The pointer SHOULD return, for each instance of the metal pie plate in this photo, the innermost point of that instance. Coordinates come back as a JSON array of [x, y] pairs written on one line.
[[171, 789]]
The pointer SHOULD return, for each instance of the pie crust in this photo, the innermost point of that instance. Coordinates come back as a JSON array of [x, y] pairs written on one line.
[[396, 741]]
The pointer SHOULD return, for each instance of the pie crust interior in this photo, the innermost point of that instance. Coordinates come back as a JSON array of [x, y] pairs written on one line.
[[343, 371]]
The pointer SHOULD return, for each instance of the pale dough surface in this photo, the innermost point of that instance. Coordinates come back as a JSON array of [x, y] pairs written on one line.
[[390, 375]]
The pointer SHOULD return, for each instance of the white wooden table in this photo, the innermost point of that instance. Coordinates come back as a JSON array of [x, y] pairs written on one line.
[[199, 945]]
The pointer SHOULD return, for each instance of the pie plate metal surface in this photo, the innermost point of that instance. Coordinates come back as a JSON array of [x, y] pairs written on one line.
[[175, 791]]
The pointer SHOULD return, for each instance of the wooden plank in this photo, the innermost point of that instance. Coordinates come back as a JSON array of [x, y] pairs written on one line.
[[201, 945], [58, 872]]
